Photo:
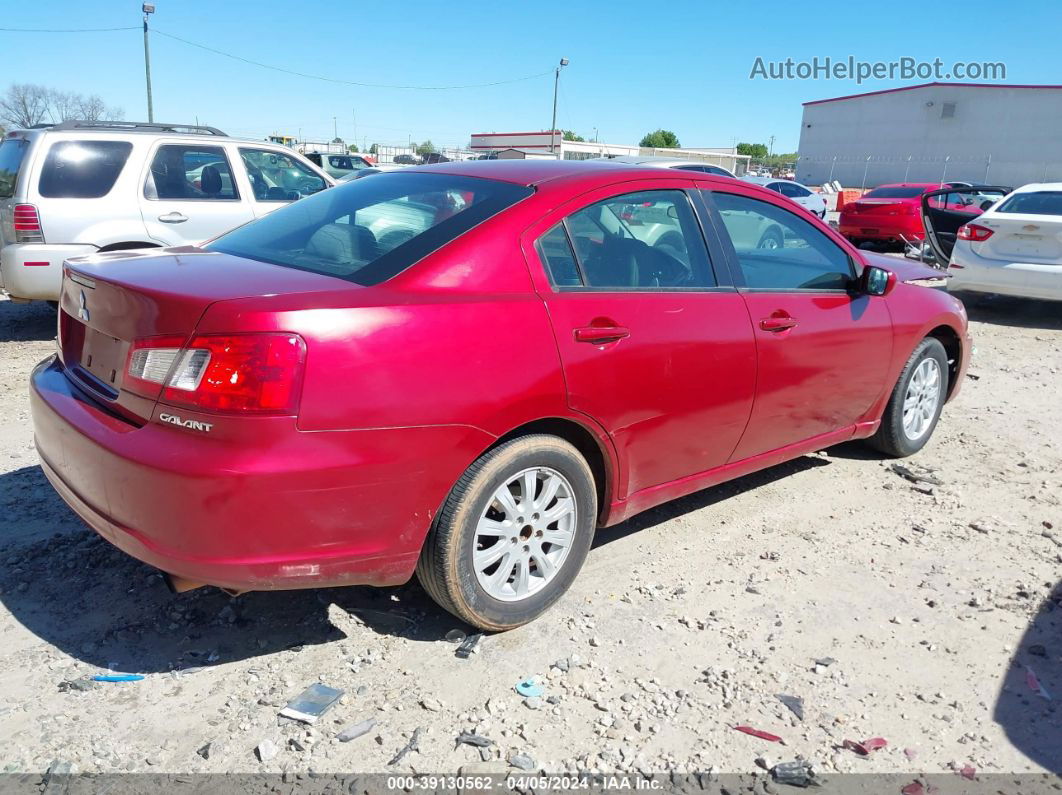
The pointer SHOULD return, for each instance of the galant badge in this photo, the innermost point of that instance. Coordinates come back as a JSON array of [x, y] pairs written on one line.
[[82, 312], [194, 425]]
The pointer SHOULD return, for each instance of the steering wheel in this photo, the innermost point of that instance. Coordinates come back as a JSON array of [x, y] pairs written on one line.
[[668, 268]]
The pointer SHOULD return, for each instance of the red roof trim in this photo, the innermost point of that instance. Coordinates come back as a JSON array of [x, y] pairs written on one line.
[[521, 146], [926, 85], [535, 132]]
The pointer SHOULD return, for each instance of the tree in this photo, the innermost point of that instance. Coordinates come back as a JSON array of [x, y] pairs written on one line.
[[352, 148], [758, 151], [660, 139], [374, 149], [24, 105], [425, 148], [570, 136]]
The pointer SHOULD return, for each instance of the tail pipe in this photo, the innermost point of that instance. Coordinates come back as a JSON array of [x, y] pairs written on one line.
[[178, 584]]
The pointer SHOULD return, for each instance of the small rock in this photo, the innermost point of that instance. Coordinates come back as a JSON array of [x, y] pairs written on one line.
[[522, 761], [267, 750]]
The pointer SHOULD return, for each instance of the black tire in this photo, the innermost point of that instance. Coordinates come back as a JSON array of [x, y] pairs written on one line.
[[772, 238], [890, 438], [445, 567]]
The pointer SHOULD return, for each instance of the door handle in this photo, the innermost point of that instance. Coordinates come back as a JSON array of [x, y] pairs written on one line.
[[777, 323], [173, 218], [599, 335]]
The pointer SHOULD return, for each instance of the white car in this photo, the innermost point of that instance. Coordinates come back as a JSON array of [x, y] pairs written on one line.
[[1014, 247], [668, 162], [802, 195], [79, 187]]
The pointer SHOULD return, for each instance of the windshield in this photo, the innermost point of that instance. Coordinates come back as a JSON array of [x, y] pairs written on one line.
[[12, 150], [1047, 202], [887, 192], [369, 230]]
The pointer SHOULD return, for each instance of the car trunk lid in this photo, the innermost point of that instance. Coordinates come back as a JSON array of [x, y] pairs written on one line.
[[109, 301], [1020, 237]]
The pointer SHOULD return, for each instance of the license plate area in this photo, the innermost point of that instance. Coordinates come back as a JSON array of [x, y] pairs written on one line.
[[102, 362]]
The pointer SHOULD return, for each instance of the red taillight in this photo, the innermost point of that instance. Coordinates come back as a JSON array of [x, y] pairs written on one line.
[[975, 233], [221, 373], [27, 224]]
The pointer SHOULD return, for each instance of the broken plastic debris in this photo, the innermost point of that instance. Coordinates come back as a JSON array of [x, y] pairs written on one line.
[[469, 646], [794, 703], [915, 477], [478, 740], [825, 662], [773, 738], [864, 748], [968, 772], [1034, 684], [356, 731], [529, 688], [117, 678], [798, 773], [311, 703], [412, 745]]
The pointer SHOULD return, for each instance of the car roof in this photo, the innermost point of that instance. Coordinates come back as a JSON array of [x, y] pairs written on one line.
[[535, 172], [1037, 187], [926, 185]]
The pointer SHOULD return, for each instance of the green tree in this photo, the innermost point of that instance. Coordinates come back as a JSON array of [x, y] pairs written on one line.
[[425, 148], [660, 139], [352, 148], [570, 136], [374, 149], [752, 150]]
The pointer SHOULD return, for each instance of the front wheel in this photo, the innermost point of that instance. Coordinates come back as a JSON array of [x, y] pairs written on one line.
[[512, 534], [914, 406]]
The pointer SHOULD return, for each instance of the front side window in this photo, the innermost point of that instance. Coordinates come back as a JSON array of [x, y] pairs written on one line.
[[368, 230], [776, 250], [12, 150], [646, 240], [278, 177], [190, 173], [1041, 202], [82, 169]]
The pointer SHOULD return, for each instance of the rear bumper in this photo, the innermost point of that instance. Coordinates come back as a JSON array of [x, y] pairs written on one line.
[[875, 231], [972, 272], [35, 270], [296, 510]]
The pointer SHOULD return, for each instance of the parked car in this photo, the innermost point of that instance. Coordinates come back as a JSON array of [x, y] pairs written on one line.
[[886, 214], [666, 162], [800, 194], [406, 160], [1014, 247], [300, 404], [80, 187], [366, 172], [339, 165]]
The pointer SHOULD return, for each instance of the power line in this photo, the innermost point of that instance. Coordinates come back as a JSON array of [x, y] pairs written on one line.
[[348, 82], [65, 30]]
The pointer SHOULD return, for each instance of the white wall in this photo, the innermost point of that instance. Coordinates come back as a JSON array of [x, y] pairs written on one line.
[[1013, 134]]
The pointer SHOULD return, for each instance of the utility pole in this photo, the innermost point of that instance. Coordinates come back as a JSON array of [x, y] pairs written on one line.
[[148, 8], [335, 128], [553, 126], [770, 151]]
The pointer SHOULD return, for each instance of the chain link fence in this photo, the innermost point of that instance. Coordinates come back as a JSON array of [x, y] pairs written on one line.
[[871, 170]]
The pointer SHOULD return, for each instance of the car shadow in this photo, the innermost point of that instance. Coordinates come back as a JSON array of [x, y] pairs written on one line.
[[34, 321], [1031, 719], [1004, 310]]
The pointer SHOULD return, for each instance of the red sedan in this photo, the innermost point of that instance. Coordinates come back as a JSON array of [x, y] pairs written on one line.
[[886, 214], [465, 370]]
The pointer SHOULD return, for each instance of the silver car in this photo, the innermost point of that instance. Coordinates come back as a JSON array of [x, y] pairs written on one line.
[[800, 194], [78, 188], [669, 162]]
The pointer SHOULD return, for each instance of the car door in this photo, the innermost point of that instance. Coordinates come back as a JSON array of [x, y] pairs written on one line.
[[655, 343], [275, 178], [822, 351], [800, 195], [188, 194], [945, 210]]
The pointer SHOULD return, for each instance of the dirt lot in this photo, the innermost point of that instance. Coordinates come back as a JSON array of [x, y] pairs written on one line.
[[934, 601]]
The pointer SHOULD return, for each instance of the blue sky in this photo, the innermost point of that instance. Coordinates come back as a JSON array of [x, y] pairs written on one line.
[[681, 65]]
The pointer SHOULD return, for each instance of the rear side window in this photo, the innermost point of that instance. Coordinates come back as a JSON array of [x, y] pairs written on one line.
[[12, 150], [190, 173], [1046, 202], [82, 169], [368, 230]]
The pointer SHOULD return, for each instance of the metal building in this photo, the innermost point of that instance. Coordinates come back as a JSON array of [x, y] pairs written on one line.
[[935, 132]]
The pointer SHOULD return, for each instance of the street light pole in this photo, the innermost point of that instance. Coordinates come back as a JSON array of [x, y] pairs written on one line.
[[148, 8], [553, 126]]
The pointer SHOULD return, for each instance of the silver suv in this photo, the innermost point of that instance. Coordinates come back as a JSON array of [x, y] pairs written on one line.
[[76, 188]]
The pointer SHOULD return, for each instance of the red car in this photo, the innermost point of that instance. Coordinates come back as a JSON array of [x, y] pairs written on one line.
[[886, 214], [464, 370]]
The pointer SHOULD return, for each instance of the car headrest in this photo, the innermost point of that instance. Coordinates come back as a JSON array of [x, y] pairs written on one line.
[[210, 181]]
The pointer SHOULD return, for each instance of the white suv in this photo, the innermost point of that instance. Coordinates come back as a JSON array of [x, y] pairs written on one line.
[[76, 188]]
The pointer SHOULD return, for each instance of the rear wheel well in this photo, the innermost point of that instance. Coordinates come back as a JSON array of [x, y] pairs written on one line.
[[128, 245], [580, 438], [953, 347]]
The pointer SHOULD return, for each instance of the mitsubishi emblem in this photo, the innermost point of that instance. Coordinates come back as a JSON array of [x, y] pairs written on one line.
[[82, 312]]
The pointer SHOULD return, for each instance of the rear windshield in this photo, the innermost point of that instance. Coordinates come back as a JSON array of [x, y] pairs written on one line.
[[12, 150], [893, 193], [1048, 202], [82, 169], [369, 230]]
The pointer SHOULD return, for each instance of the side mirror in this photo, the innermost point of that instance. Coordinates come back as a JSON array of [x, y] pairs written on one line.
[[875, 281], [986, 204]]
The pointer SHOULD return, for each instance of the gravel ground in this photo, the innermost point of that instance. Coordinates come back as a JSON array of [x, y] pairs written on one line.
[[927, 604]]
